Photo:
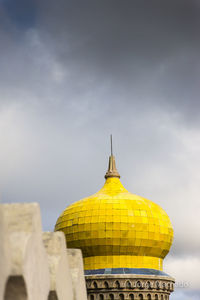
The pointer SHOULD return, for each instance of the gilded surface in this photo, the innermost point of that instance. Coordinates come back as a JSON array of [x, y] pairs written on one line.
[[117, 229]]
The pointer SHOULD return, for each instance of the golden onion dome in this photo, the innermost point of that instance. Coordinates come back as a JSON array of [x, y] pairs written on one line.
[[117, 229]]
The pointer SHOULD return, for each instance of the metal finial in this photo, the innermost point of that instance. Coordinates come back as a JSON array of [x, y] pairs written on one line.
[[111, 144], [112, 170]]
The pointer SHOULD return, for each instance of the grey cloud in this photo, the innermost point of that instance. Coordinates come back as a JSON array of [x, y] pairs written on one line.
[[137, 48], [185, 295], [145, 54]]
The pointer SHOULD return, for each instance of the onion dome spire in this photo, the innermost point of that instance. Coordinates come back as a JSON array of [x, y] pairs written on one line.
[[117, 230], [112, 170]]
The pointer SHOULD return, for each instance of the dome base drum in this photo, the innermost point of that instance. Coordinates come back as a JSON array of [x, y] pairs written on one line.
[[129, 287]]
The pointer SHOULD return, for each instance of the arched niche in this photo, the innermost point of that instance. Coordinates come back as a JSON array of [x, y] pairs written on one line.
[[117, 284], [111, 297], [121, 296], [15, 289], [52, 295], [128, 284], [94, 285], [91, 297], [101, 297]]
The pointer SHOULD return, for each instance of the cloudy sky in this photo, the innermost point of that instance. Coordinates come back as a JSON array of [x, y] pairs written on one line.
[[71, 73]]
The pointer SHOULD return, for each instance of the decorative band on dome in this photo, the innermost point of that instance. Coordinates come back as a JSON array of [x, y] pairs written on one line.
[[135, 271], [122, 261]]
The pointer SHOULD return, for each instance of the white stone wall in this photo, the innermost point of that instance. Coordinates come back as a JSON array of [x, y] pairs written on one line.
[[76, 266], [34, 265]]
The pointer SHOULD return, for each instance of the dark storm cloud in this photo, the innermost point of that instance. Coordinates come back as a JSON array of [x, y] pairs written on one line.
[[138, 47], [145, 52], [21, 12]]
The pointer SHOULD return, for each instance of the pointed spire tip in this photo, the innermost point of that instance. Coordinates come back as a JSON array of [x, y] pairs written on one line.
[[112, 170], [111, 145]]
